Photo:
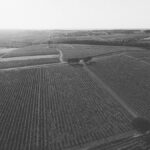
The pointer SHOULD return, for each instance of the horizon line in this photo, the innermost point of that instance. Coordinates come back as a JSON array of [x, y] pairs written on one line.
[[70, 29]]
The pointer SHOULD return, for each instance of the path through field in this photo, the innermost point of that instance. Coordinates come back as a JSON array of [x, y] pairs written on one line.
[[60, 56], [31, 67], [112, 93]]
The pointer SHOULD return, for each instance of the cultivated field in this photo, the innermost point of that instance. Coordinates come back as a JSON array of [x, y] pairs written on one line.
[[140, 55], [90, 104], [81, 51], [55, 108], [103, 37], [129, 78], [21, 38], [42, 49]]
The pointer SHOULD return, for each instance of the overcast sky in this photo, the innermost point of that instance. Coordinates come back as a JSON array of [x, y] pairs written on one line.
[[74, 14]]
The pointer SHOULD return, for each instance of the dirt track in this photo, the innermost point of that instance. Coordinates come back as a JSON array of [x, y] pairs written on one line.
[[29, 57]]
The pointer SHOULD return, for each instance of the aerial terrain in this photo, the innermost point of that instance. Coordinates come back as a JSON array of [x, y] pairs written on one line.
[[75, 90]]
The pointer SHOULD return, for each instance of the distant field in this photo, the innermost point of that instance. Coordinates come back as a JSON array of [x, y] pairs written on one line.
[[129, 78], [144, 56], [21, 38], [139, 55], [42, 49], [104, 37], [81, 51], [55, 108], [30, 62], [147, 60]]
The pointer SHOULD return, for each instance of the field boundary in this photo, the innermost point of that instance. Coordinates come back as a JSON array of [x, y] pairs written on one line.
[[31, 67], [137, 59], [106, 140]]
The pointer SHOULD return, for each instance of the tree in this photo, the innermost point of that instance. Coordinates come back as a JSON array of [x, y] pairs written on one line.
[[141, 124]]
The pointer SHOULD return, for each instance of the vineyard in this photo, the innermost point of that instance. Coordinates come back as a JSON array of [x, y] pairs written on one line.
[[42, 49], [74, 90], [28, 62], [80, 51], [56, 108], [129, 143], [129, 78]]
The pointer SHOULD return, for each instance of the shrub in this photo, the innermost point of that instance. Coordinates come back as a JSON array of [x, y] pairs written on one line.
[[141, 124]]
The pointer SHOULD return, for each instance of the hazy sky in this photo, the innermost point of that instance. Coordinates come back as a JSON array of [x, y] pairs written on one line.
[[74, 14]]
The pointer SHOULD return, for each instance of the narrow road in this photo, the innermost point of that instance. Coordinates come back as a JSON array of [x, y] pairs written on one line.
[[29, 57], [60, 56], [110, 139], [31, 67], [110, 91]]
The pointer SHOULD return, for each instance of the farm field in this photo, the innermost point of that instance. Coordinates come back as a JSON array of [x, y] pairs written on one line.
[[129, 78], [129, 143], [140, 55], [56, 108], [146, 59], [81, 51], [28, 62], [42, 49]]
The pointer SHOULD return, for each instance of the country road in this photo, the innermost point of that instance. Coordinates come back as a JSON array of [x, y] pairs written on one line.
[[60, 56]]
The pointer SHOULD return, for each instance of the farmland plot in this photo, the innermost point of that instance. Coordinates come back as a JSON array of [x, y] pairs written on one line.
[[56, 108], [81, 51], [144, 56], [140, 55], [129, 78], [130, 143], [30, 62], [42, 49]]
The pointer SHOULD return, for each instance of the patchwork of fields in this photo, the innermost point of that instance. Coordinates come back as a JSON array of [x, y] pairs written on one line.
[[57, 107]]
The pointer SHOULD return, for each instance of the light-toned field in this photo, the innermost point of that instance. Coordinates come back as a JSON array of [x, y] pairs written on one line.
[[42, 49], [81, 51]]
